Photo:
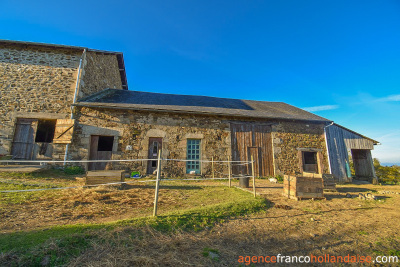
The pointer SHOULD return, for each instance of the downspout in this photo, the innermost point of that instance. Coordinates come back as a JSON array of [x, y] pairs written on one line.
[[78, 80], [327, 148]]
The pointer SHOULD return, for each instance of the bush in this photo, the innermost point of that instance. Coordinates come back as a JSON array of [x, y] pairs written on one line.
[[386, 174], [279, 178], [74, 170]]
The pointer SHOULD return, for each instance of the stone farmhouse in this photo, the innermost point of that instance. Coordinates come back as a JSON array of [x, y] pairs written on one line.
[[73, 103]]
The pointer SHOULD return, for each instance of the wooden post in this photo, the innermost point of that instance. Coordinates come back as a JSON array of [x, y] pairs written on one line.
[[229, 171], [252, 174], [157, 183], [212, 167]]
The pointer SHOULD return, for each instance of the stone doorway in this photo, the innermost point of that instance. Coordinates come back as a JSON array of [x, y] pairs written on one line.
[[100, 149]]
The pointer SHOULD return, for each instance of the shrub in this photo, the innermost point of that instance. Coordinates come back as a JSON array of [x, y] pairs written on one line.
[[279, 178], [386, 174], [74, 170]]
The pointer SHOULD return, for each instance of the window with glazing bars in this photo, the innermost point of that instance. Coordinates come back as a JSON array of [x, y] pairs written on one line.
[[193, 154]]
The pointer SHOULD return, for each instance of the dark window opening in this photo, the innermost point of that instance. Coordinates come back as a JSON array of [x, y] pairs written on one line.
[[155, 147], [45, 131], [359, 154], [310, 162], [105, 143], [310, 157], [153, 164]]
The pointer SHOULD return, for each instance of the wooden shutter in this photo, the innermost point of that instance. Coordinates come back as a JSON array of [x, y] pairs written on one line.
[[63, 131], [301, 161], [320, 162]]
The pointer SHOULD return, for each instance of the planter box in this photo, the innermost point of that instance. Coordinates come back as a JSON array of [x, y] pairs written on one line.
[[104, 177]]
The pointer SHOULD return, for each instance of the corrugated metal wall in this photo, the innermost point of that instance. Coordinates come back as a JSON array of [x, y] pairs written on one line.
[[340, 143]]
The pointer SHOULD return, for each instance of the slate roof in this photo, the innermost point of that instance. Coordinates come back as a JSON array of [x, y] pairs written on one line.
[[136, 100]]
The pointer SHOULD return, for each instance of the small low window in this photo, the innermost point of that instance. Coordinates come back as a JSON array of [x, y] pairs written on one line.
[[105, 143], [310, 157], [45, 131], [310, 162]]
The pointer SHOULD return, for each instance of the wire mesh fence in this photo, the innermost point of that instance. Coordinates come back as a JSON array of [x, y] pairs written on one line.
[[131, 171]]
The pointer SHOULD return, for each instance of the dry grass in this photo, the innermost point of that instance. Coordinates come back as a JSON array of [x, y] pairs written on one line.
[[335, 226], [104, 203]]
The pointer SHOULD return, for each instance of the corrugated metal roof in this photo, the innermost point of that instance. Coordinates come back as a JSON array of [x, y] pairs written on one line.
[[136, 100]]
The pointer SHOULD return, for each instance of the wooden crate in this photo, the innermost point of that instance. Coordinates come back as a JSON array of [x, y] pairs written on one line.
[[104, 177], [303, 187], [329, 183]]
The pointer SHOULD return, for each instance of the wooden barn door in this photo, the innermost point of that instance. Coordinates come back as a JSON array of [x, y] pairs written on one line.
[[250, 139], [155, 144], [255, 151], [363, 165], [22, 146], [100, 149]]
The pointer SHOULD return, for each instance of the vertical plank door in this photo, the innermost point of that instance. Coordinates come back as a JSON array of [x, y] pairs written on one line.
[[22, 146]]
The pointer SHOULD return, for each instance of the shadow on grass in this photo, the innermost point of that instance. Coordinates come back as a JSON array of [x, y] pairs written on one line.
[[45, 173], [180, 187], [354, 189], [270, 187]]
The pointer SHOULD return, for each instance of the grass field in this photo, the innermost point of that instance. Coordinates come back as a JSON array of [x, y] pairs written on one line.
[[200, 223]]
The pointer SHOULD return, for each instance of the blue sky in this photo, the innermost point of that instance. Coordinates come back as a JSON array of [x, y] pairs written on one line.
[[338, 59]]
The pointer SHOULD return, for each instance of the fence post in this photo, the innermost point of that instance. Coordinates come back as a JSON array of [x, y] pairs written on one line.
[[212, 167], [252, 174], [229, 171], [157, 183]]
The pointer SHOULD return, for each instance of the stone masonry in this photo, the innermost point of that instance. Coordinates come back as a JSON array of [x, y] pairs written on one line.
[[133, 128], [38, 81], [100, 71], [288, 137]]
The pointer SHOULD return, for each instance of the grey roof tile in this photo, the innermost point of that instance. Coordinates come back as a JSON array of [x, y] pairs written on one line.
[[125, 99]]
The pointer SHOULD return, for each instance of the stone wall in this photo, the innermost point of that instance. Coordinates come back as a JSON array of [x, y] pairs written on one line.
[[288, 137], [131, 128], [39, 82], [34, 80], [100, 71]]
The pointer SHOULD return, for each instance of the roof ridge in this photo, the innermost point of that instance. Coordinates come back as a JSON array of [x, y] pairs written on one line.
[[56, 46], [216, 97]]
